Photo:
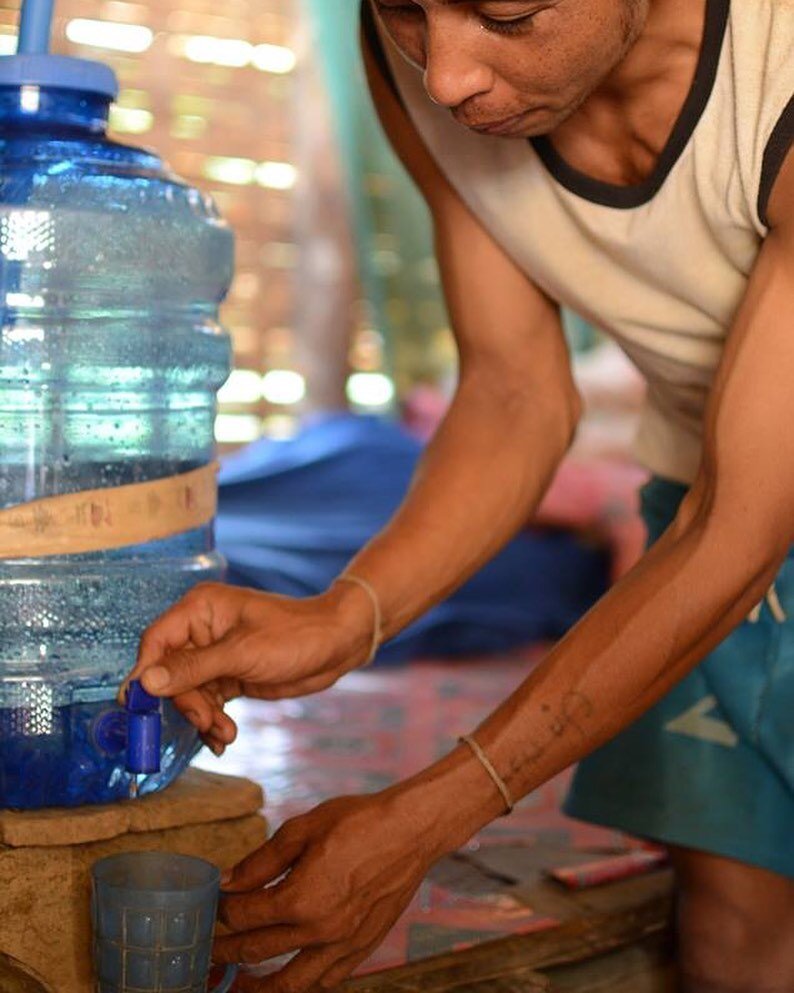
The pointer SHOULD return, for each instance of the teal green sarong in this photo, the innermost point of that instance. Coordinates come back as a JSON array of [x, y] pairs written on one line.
[[711, 766]]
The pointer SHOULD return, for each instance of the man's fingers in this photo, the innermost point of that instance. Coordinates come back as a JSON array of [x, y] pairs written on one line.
[[245, 983], [204, 615], [256, 946], [370, 936], [169, 633], [183, 625], [223, 727], [216, 747], [346, 966], [197, 707], [186, 669], [316, 963], [299, 687], [264, 907], [269, 862], [228, 688], [302, 974]]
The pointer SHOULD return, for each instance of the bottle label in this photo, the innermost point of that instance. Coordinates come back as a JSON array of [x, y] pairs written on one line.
[[98, 520]]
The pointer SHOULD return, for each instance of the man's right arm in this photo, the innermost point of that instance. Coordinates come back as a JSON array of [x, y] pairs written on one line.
[[481, 478], [512, 418]]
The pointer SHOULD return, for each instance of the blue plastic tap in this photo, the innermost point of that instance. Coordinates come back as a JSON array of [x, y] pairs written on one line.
[[34, 65], [143, 730], [35, 25], [135, 728]]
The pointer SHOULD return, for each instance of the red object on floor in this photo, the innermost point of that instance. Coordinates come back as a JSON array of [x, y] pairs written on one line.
[[378, 726], [610, 869]]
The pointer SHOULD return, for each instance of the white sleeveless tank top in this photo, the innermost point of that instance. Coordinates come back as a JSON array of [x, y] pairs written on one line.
[[662, 266]]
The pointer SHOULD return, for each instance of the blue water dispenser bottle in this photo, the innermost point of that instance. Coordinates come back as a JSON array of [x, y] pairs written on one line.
[[111, 274]]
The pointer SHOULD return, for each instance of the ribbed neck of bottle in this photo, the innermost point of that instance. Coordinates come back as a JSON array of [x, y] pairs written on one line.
[[35, 107]]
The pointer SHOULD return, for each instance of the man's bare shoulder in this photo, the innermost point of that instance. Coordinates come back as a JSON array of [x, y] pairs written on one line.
[[781, 201]]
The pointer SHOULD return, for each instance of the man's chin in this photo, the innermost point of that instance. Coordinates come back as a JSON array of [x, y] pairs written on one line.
[[536, 131]]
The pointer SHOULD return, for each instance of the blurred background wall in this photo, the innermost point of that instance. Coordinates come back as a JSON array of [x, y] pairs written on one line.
[[335, 300], [263, 104]]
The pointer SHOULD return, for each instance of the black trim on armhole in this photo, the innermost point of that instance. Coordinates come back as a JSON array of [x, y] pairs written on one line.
[[778, 146], [369, 31]]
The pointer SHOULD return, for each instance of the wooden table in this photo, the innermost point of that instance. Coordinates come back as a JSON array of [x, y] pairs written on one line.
[[613, 938]]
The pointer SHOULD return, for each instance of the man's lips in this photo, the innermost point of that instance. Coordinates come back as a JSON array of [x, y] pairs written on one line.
[[503, 126]]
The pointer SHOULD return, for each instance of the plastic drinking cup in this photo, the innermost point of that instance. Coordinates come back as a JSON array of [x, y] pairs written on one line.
[[153, 916]]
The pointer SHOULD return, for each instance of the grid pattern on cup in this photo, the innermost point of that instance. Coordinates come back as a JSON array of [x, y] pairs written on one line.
[[103, 987], [161, 965]]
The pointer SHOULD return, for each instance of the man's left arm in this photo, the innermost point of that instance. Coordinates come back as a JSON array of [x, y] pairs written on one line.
[[698, 582]]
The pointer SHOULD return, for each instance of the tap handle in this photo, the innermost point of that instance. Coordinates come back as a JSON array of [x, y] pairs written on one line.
[[138, 701], [144, 727]]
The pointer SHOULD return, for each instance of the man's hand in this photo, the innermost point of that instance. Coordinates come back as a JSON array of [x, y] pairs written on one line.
[[331, 884], [221, 642], [352, 866]]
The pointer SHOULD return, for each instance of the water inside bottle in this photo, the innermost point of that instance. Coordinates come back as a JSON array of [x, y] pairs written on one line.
[[111, 274]]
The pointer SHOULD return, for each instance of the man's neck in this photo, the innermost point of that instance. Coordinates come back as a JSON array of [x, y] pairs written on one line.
[[620, 130], [669, 42]]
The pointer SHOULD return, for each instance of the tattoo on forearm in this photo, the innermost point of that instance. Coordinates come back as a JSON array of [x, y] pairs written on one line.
[[574, 711]]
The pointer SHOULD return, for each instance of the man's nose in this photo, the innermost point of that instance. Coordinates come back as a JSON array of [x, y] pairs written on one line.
[[452, 76]]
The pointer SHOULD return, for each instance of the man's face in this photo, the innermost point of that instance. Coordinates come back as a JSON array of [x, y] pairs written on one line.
[[514, 68]]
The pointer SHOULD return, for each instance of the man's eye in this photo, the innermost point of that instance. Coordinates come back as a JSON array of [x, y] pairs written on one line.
[[517, 25]]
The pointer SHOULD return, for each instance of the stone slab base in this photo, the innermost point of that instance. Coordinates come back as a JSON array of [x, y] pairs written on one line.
[[46, 858]]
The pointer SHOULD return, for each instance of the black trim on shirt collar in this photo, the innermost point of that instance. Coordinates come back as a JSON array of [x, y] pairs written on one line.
[[627, 197], [780, 143]]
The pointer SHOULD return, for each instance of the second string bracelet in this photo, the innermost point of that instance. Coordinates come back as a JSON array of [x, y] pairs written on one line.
[[377, 634]]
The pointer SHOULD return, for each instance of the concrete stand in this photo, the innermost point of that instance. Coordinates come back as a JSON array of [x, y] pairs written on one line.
[[46, 857]]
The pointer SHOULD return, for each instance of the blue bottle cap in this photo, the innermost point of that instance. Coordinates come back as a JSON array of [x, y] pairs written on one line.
[[33, 65], [59, 72]]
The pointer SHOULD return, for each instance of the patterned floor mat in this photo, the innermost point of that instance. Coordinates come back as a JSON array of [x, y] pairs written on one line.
[[378, 726]]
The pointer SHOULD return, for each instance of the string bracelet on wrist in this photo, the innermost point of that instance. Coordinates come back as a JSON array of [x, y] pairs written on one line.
[[377, 630], [486, 763]]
